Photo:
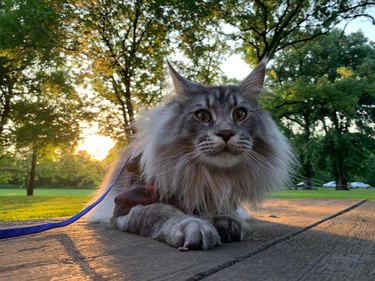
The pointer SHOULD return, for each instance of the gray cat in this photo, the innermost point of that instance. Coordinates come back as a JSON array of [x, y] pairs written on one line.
[[194, 161]]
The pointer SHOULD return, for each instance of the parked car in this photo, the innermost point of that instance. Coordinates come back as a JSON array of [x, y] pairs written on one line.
[[330, 184], [300, 184], [358, 184]]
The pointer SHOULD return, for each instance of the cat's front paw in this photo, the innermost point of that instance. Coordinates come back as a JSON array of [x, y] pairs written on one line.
[[188, 233], [229, 229]]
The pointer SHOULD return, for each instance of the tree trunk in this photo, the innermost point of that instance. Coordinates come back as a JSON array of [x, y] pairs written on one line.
[[129, 105], [341, 181], [31, 183], [119, 97], [124, 98], [5, 100], [307, 166]]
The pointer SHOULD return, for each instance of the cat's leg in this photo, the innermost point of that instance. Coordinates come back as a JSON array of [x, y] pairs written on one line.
[[229, 228], [167, 224]]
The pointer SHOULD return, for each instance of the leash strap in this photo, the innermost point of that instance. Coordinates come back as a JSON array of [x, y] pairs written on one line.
[[19, 231]]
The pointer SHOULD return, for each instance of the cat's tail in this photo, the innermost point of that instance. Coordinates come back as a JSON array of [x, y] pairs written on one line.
[[104, 210]]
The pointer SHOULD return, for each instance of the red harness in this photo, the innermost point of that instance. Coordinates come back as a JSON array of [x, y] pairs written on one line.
[[137, 195]]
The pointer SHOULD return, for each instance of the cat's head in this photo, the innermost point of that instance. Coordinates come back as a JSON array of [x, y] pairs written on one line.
[[211, 147], [222, 123]]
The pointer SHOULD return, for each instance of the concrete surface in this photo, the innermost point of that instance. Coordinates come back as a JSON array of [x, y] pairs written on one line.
[[302, 239]]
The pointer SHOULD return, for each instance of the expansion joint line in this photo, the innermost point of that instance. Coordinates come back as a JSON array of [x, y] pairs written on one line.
[[211, 271]]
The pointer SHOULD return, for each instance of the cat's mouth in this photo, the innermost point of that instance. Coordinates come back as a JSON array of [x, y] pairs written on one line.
[[224, 157], [226, 149], [223, 160], [229, 149]]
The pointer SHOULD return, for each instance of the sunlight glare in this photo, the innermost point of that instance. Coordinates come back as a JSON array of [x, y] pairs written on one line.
[[93, 143]]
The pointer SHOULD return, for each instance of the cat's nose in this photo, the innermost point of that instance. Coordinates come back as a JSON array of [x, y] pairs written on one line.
[[225, 134]]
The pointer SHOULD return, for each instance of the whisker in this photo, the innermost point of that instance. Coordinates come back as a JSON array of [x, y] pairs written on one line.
[[183, 162]]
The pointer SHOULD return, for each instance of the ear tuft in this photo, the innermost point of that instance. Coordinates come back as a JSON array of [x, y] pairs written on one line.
[[181, 85], [252, 85]]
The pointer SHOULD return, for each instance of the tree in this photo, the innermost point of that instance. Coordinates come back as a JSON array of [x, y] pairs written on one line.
[[125, 44], [29, 33], [34, 92], [61, 167], [197, 36], [326, 87], [46, 117], [9, 168], [266, 27], [292, 103], [344, 139], [70, 169]]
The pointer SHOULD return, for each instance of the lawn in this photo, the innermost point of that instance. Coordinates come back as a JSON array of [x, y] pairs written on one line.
[[330, 193], [46, 203], [47, 192], [58, 202]]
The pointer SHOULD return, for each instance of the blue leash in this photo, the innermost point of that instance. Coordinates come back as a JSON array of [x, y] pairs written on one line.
[[19, 231]]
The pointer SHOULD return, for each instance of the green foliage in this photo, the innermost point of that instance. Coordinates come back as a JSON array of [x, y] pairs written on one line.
[[29, 37], [267, 27], [39, 108], [48, 114], [116, 51], [28, 29], [323, 93], [58, 168], [71, 170], [125, 44], [12, 169], [199, 39], [6, 164]]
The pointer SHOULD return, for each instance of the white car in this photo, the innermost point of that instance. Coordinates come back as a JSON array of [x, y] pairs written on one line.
[[358, 184], [300, 184], [330, 184]]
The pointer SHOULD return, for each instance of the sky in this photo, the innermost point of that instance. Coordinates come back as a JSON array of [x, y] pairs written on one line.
[[234, 67], [362, 24]]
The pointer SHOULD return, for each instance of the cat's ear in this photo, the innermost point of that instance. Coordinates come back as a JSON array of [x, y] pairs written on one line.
[[181, 84], [252, 85]]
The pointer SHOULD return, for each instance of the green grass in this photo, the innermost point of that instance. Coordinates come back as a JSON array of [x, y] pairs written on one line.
[[47, 192], [58, 202], [46, 203], [329, 193]]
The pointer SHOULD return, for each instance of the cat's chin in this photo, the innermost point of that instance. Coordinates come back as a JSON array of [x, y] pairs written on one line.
[[223, 160]]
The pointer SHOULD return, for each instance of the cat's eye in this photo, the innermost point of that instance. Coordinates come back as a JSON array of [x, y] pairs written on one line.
[[203, 115], [239, 114]]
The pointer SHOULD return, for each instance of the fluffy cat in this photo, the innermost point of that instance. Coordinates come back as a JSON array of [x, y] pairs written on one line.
[[194, 161]]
